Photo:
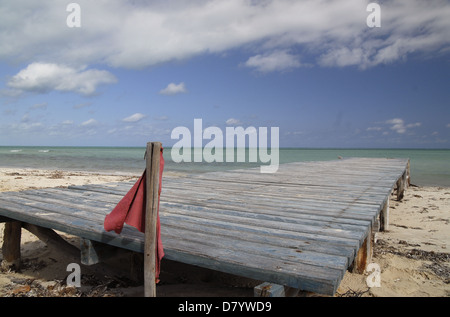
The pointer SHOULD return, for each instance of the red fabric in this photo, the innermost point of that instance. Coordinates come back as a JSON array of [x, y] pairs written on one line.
[[131, 210]]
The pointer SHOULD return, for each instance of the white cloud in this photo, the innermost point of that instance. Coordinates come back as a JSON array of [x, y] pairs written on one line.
[[136, 34], [448, 125], [89, 123], [414, 125], [134, 118], [173, 89], [344, 56], [398, 125], [45, 77], [274, 61], [233, 121]]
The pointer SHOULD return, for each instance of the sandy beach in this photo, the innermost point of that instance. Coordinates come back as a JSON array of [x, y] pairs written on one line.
[[413, 254]]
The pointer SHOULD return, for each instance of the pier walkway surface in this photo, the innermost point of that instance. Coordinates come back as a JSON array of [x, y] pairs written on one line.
[[302, 227]]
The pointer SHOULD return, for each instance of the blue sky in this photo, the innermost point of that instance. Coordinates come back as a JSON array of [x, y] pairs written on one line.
[[135, 70]]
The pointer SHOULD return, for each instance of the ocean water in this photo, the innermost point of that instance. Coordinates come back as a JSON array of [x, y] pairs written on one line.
[[428, 167]]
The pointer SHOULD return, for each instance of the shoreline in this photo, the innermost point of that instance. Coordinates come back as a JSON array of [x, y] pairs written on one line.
[[414, 254], [16, 179], [429, 167]]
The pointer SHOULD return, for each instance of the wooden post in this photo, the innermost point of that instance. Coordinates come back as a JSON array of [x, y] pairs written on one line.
[[364, 255], [11, 244], [384, 216], [408, 174], [152, 186], [401, 183]]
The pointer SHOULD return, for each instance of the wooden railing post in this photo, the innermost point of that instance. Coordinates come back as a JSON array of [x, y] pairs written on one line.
[[152, 186]]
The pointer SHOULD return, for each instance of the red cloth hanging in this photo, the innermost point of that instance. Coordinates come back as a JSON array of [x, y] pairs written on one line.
[[131, 210]]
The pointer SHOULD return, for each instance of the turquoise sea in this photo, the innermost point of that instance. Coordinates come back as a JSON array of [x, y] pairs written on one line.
[[428, 167]]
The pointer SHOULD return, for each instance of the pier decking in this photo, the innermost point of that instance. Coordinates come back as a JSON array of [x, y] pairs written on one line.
[[301, 227]]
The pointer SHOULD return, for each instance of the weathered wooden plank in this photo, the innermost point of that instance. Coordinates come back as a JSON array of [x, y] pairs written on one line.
[[325, 228], [237, 228], [65, 204], [178, 229], [339, 171], [98, 189], [70, 224], [69, 212], [295, 207], [84, 197], [5, 219], [306, 181], [47, 197], [309, 217], [365, 193], [268, 194], [57, 209], [361, 197], [269, 214], [345, 213], [298, 255], [307, 277]]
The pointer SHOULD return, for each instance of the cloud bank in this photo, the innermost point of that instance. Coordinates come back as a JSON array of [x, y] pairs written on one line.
[[138, 34]]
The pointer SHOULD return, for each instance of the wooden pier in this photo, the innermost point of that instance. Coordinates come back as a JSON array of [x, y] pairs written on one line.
[[302, 227]]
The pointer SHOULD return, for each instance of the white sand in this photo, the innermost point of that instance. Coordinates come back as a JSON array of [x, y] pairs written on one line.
[[414, 253]]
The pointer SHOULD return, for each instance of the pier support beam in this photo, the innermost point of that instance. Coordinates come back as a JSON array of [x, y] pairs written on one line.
[[401, 186], [52, 239], [93, 252], [274, 290], [11, 244], [384, 216], [364, 255], [408, 174]]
